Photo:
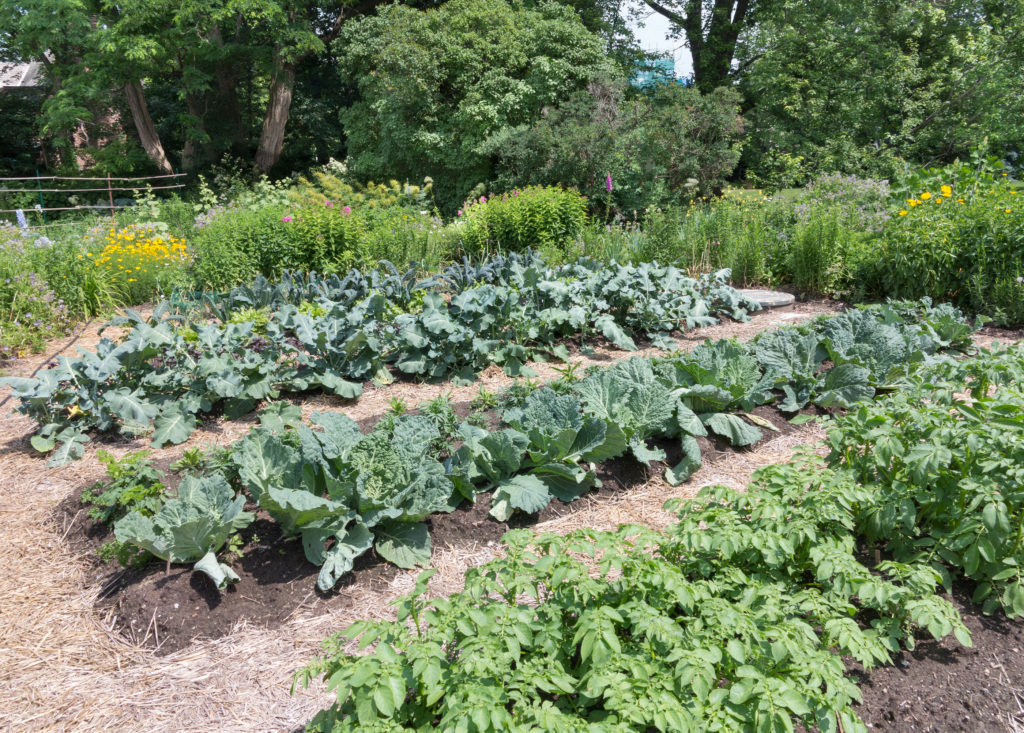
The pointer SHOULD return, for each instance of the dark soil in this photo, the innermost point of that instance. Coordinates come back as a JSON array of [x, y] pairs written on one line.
[[172, 608], [942, 686], [175, 608]]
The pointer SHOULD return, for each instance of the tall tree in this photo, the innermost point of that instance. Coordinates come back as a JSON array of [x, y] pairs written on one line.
[[711, 29], [921, 82], [435, 85]]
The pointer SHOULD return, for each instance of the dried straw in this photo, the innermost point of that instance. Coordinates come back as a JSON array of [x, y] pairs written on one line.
[[63, 666]]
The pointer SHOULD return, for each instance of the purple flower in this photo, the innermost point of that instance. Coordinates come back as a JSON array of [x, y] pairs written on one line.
[[347, 209], [608, 182], [483, 199], [286, 219], [330, 205], [458, 213]]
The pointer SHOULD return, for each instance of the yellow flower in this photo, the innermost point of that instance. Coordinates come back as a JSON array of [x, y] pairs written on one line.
[[925, 196], [1007, 211], [903, 213], [947, 191], [913, 202]]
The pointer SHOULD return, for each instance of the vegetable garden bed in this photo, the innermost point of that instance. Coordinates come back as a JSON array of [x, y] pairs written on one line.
[[171, 610], [362, 593]]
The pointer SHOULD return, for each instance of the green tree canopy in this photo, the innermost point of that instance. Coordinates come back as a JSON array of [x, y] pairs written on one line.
[[859, 85], [434, 86]]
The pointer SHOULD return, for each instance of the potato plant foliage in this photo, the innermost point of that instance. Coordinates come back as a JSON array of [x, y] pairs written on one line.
[[949, 474], [732, 619], [736, 617]]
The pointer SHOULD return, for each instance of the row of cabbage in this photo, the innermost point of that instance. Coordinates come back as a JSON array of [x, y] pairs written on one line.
[[745, 614], [344, 492], [308, 332]]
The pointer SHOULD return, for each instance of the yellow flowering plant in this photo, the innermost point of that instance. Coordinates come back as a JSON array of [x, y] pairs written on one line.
[[140, 260], [969, 251]]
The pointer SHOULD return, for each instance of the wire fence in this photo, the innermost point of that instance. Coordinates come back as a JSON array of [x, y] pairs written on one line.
[[21, 185]]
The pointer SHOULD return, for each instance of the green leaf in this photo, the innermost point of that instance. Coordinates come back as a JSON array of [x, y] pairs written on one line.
[[406, 544], [733, 428], [614, 333], [690, 462], [348, 545], [843, 386], [70, 447], [221, 575], [526, 493], [130, 406], [43, 444], [173, 426]]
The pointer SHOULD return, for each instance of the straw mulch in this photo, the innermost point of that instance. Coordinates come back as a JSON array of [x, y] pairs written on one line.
[[63, 667]]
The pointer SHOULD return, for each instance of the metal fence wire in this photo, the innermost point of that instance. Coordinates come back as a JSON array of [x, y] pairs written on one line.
[[19, 185]]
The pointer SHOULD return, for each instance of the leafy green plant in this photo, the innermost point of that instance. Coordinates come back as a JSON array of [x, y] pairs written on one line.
[[192, 527], [134, 485], [735, 618], [536, 217], [344, 492], [945, 473], [958, 239]]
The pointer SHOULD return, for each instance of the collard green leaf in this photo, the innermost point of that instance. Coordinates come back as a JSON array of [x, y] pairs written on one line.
[[690, 462], [173, 426], [70, 447], [524, 492], [733, 428], [130, 406], [277, 416], [221, 574], [405, 544], [349, 544], [614, 333]]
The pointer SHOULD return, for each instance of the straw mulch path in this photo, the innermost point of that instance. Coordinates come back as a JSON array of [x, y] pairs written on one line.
[[63, 668]]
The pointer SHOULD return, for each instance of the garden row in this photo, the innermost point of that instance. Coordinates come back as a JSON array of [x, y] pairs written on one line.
[[952, 234], [344, 492], [740, 615], [310, 332]]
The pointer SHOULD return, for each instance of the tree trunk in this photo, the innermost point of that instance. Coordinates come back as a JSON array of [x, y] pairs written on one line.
[[196, 135], [278, 106], [230, 111], [145, 127], [712, 45]]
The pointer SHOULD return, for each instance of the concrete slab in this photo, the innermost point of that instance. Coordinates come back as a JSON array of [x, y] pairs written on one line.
[[770, 298]]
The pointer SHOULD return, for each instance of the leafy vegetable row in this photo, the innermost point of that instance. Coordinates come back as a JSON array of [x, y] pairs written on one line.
[[738, 616], [344, 492], [169, 370]]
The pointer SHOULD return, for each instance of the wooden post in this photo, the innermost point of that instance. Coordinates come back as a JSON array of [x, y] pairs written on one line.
[[42, 204], [110, 192]]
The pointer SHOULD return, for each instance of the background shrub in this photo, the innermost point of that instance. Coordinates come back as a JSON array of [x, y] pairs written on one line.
[[660, 149], [538, 217], [962, 244]]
